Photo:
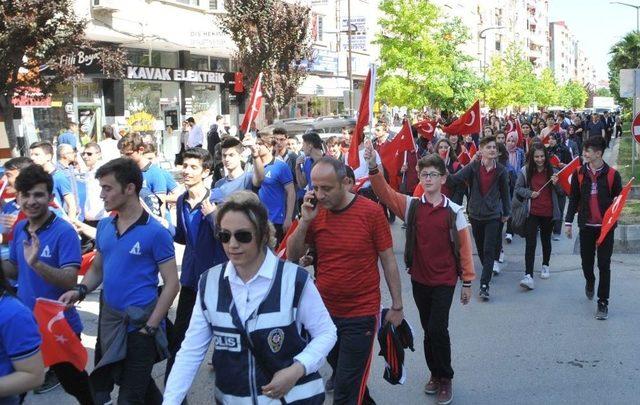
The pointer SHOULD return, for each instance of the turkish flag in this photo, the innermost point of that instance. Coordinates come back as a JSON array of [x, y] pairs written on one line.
[[464, 158], [545, 139], [238, 87], [281, 251], [255, 104], [364, 118], [510, 127], [59, 343], [359, 183], [555, 162], [87, 260], [468, 123], [564, 175], [426, 129], [613, 212], [392, 153], [521, 140], [556, 129]]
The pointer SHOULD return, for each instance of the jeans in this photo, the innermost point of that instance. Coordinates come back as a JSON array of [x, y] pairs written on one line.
[[350, 359], [545, 224], [186, 301], [588, 237], [433, 305], [136, 384], [485, 233]]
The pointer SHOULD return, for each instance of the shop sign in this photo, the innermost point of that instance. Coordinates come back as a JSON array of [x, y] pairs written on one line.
[[324, 61], [174, 75], [87, 61], [31, 97]]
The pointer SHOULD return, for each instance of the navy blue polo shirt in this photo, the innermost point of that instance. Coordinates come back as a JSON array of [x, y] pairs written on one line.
[[59, 248], [272, 192], [130, 261], [19, 336]]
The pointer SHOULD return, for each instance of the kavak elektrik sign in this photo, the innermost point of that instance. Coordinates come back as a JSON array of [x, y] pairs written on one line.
[[174, 75]]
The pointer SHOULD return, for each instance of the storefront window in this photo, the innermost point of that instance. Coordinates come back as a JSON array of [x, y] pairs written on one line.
[[219, 64], [206, 104], [89, 92], [146, 102], [164, 59], [199, 62], [138, 57]]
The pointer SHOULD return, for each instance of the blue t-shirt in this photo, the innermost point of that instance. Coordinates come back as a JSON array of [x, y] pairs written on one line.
[[225, 187], [61, 187], [59, 247], [154, 179], [69, 138], [130, 261], [308, 164], [169, 180], [19, 336], [9, 208], [272, 192]]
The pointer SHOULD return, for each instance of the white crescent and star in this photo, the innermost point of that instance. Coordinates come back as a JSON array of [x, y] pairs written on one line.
[[430, 127], [473, 119], [59, 316]]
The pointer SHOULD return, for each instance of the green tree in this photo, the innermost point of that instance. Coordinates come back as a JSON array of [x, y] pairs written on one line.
[[624, 55], [421, 61], [511, 80], [497, 89], [603, 92], [39, 32], [573, 95], [272, 38], [546, 89]]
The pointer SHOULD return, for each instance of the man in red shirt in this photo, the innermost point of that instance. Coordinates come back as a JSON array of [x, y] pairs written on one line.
[[349, 233]]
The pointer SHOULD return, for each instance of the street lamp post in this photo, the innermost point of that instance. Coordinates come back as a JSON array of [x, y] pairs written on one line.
[[482, 35], [349, 61]]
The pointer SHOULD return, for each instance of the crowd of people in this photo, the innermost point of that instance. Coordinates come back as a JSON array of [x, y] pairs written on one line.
[[243, 205]]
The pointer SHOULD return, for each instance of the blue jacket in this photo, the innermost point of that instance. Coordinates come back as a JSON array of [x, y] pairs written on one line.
[[206, 253]]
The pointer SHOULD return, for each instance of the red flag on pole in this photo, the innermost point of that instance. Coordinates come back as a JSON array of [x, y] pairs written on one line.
[[521, 140], [392, 153], [87, 260], [426, 129], [359, 183], [255, 103], [364, 118], [468, 123], [613, 212], [281, 251], [555, 162], [59, 343], [556, 129], [464, 158], [564, 175]]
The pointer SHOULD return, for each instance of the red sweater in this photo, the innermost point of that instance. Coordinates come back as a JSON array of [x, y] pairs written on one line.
[[543, 205]]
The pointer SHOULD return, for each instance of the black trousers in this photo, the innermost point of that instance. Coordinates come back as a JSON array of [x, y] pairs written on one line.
[[499, 240], [545, 225], [350, 359], [136, 383], [279, 233], [186, 301], [74, 382], [434, 304], [588, 237], [485, 234], [557, 225]]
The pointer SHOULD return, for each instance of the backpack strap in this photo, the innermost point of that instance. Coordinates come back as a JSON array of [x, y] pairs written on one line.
[[410, 233], [454, 238], [611, 174]]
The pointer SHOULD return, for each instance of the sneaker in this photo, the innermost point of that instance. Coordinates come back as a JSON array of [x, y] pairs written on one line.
[[508, 237], [496, 268], [544, 273], [527, 282], [501, 258], [328, 387], [556, 237], [603, 311], [445, 393], [588, 291], [484, 292], [432, 386], [50, 383]]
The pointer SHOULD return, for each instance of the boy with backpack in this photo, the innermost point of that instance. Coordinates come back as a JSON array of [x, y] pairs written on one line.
[[592, 192]]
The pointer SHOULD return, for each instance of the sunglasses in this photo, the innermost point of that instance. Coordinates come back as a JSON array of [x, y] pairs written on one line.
[[240, 236], [87, 153]]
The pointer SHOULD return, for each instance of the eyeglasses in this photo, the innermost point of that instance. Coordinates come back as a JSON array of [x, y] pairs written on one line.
[[431, 175], [240, 236]]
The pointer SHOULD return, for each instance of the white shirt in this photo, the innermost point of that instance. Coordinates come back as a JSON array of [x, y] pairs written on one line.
[[93, 204], [247, 297], [363, 169], [109, 149]]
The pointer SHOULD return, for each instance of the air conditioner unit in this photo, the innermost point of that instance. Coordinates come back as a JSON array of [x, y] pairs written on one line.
[[105, 5]]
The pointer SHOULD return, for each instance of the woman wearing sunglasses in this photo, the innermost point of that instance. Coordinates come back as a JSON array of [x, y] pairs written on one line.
[[269, 326]]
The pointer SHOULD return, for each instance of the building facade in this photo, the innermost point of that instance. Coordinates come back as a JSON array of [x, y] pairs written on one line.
[[568, 58]]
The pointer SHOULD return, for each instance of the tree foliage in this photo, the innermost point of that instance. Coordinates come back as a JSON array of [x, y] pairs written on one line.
[[511, 80], [271, 37], [573, 95], [421, 61], [38, 32], [547, 93], [625, 54], [603, 92]]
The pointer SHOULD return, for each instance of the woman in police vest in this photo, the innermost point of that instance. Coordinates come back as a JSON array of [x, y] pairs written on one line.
[[270, 328]]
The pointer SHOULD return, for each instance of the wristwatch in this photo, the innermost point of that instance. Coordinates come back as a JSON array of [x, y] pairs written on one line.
[[151, 331], [82, 291]]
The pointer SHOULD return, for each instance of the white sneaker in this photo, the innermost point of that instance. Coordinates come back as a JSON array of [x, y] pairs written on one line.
[[501, 258], [496, 268], [527, 282], [544, 273], [508, 237]]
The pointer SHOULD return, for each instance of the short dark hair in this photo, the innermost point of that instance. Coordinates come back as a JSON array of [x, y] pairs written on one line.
[[46, 146], [219, 117], [338, 166], [93, 145], [596, 143], [313, 138], [32, 175], [350, 174], [131, 141], [191, 120], [200, 154], [432, 160], [487, 139], [107, 131], [125, 171], [279, 131], [231, 142], [17, 163], [150, 148], [332, 140], [249, 204], [293, 136]]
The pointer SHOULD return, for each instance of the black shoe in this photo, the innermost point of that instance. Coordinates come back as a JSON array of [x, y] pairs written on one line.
[[588, 291], [50, 383], [603, 311], [484, 292]]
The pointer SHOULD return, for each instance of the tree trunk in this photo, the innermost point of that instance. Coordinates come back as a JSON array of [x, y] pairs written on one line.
[[7, 109]]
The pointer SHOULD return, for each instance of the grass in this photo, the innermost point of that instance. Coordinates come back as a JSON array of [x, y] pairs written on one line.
[[631, 212]]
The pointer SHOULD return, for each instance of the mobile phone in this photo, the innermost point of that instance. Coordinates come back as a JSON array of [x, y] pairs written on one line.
[[314, 201]]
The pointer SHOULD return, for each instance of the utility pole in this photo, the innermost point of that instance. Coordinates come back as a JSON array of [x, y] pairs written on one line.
[[349, 56], [482, 35]]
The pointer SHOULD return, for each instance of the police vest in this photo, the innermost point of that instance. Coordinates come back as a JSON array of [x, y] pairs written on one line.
[[273, 333]]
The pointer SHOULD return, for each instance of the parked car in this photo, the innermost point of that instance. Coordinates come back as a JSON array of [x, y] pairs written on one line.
[[325, 126]]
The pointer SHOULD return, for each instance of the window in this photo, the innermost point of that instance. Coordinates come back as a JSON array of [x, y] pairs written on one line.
[[199, 62], [164, 59], [320, 28], [138, 57], [219, 64], [216, 5]]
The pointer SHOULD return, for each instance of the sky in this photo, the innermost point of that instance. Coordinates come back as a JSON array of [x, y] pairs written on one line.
[[596, 24]]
